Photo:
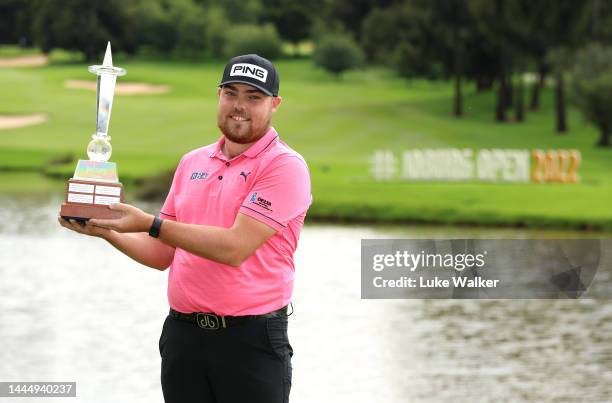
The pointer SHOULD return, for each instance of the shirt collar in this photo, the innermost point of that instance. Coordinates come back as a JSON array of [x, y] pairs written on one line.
[[254, 150]]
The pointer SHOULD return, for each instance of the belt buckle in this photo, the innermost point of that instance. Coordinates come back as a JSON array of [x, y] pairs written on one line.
[[208, 321]]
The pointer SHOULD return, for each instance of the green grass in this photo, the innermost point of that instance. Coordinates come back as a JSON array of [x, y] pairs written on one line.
[[15, 50], [335, 125], [27, 183]]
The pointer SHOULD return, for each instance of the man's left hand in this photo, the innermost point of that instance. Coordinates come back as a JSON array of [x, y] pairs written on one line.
[[132, 220]]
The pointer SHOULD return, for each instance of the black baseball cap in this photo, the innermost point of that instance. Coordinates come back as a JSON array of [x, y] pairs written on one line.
[[253, 70]]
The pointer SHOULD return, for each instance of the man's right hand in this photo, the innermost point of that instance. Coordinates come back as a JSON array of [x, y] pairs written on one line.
[[85, 228]]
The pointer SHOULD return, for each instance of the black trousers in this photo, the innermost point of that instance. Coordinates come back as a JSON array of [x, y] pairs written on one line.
[[246, 363]]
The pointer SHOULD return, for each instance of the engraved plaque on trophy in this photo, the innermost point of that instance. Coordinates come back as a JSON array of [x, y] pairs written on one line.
[[95, 183]]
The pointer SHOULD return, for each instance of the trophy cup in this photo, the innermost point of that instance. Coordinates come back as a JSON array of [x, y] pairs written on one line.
[[95, 183]]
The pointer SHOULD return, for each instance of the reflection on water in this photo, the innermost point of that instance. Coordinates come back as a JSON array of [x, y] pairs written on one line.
[[74, 309]]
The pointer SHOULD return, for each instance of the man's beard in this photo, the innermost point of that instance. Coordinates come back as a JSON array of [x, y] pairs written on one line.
[[230, 131]]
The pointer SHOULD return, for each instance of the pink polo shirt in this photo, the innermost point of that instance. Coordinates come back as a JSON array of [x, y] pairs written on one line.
[[269, 182]]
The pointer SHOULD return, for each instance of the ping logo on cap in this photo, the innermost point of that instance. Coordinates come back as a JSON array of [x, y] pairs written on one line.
[[249, 70]]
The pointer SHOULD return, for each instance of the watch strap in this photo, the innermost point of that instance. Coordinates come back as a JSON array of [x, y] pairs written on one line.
[[155, 227]]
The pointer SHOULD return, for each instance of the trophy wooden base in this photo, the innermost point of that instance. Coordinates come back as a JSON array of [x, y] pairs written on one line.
[[83, 212], [90, 199]]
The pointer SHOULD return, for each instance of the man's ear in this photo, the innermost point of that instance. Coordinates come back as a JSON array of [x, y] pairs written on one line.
[[276, 101], [219, 91]]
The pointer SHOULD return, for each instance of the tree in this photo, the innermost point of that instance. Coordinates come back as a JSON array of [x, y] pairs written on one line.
[[565, 28], [15, 16], [452, 30], [164, 26], [337, 53], [397, 36], [532, 37], [350, 14], [216, 23], [493, 19], [293, 19], [431, 39], [559, 58], [81, 25], [522, 32], [592, 85], [151, 26], [247, 12], [189, 21], [380, 34], [600, 24], [524, 20]]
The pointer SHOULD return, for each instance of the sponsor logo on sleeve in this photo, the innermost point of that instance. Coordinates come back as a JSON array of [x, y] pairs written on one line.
[[261, 202]]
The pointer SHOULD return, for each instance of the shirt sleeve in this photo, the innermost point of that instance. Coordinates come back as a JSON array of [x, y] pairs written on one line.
[[168, 210], [280, 194]]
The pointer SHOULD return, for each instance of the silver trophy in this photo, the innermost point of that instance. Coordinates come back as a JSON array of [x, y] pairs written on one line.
[[95, 183]]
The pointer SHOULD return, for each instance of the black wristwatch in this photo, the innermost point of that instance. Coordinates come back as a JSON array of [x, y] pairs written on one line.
[[155, 227]]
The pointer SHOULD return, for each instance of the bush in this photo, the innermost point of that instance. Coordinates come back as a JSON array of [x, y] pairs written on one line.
[[245, 39], [337, 53], [592, 85]]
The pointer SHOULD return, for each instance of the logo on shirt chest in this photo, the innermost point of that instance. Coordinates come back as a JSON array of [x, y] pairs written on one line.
[[260, 201], [244, 175], [199, 175]]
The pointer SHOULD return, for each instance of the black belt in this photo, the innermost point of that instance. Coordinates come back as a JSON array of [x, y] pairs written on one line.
[[211, 321]]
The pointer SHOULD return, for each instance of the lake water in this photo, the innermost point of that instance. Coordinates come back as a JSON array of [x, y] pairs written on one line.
[[74, 309]]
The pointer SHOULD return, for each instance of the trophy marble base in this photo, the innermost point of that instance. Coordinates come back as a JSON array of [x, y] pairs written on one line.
[[87, 199]]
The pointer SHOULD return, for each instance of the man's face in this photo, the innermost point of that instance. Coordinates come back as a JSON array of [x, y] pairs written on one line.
[[244, 112]]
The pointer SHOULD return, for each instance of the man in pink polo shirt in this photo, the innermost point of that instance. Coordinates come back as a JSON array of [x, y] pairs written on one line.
[[228, 231]]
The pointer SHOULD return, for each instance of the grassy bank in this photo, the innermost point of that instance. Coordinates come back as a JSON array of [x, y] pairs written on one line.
[[335, 125]]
